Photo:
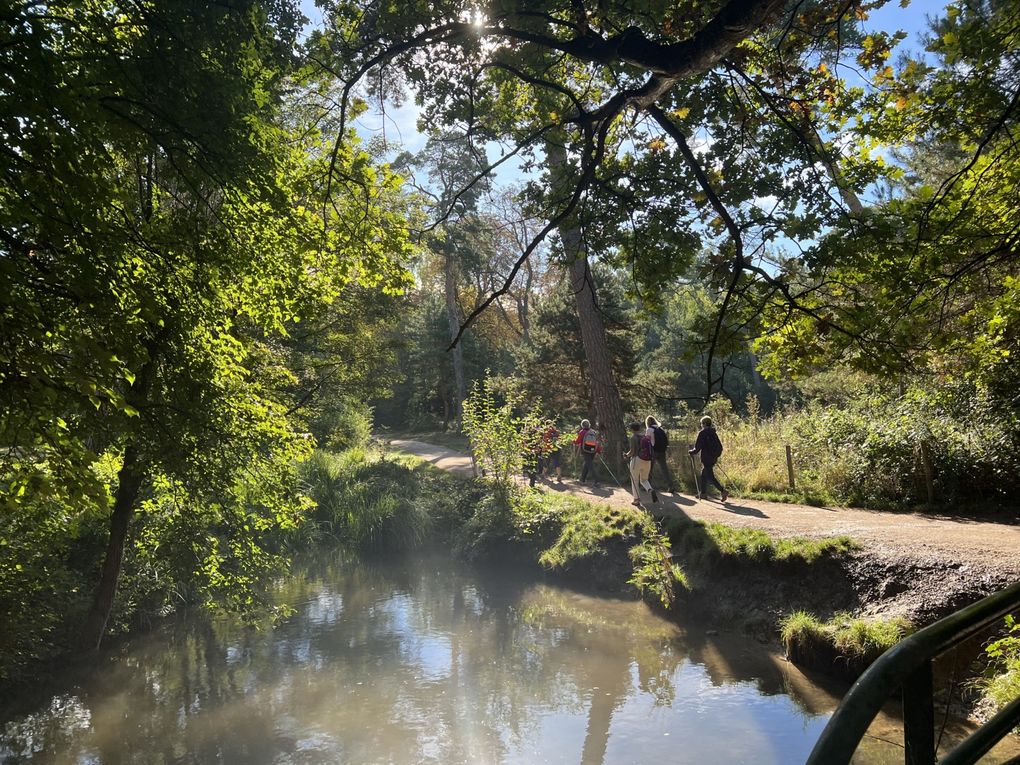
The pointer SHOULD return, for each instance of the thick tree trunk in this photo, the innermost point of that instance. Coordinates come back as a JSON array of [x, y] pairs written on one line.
[[604, 391], [601, 382], [125, 500], [453, 317]]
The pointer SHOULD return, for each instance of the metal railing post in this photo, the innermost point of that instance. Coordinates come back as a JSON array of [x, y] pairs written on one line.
[[919, 717], [908, 666]]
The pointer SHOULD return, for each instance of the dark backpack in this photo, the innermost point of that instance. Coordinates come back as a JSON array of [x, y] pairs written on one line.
[[645, 449], [711, 451], [661, 439]]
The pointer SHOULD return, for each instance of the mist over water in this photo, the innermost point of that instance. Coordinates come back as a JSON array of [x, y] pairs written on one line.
[[424, 660]]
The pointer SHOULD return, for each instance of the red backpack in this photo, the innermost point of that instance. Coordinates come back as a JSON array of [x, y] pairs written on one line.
[[646, 449]]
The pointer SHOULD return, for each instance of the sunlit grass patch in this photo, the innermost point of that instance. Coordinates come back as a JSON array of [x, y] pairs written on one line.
[[807, 639], [703, 541], [580, 529]]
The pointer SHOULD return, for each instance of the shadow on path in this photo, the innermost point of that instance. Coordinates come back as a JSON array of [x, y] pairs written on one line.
[[754, 512]]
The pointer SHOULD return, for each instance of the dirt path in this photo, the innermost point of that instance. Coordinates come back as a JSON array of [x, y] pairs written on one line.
[[979, 551]]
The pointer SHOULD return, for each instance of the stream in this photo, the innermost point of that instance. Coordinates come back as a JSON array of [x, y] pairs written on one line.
[[423, 659]]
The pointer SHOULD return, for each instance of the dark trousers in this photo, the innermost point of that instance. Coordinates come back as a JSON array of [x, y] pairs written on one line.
[[589, 467], [660, 460], [708, 477], [532, 468]]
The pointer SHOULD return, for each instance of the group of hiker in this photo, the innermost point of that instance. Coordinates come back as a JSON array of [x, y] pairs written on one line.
[[647, 444]]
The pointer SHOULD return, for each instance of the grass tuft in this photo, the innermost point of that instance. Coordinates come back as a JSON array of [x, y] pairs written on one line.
[[806, 637]]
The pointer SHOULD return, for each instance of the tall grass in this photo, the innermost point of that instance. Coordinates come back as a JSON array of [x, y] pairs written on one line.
[[866, 452], [366, 500]]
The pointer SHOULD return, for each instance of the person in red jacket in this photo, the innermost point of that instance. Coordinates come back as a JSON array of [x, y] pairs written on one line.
[[588, 444]]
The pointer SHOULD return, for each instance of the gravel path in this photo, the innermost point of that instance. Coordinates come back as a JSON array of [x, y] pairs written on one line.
[[977, 549]]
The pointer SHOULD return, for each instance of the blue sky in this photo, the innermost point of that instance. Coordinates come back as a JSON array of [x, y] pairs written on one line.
[[400, 124]]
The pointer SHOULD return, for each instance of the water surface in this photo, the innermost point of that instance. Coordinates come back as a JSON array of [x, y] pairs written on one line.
[[425, 660]]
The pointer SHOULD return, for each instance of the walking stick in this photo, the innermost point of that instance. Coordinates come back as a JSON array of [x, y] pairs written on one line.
[[694, 472], [603, 461]]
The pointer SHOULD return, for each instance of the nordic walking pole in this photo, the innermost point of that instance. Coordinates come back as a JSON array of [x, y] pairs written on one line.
[[694, 472], [603, 461]]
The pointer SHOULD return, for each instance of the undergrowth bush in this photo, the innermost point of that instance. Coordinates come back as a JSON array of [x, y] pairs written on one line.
[[180, 550], [341, 423]]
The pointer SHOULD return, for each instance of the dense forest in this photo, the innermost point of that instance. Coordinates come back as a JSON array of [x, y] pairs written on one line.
[[216, 276]]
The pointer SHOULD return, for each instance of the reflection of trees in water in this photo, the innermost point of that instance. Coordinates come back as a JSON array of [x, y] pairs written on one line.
[[384, 661], [53, 726]]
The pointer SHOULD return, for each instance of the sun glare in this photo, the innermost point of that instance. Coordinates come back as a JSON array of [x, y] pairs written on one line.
[[476, 17]]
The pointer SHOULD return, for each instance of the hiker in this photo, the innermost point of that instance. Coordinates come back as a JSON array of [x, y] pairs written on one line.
[[660, 442], [710, 446], [533, 451], [589, 445], [552, 457], [640, 455]]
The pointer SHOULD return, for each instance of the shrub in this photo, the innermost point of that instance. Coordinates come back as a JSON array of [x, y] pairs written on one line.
[[1001, 684], [344, 423], [219, 555], [504, 432], [866, 451]]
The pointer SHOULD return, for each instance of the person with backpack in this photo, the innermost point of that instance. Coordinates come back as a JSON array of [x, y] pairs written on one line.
[[641, 454], [551, 453], [660, 442], [589, 445], [711, 449]]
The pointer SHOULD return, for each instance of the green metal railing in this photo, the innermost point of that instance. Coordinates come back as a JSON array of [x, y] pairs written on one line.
[[908, 666]]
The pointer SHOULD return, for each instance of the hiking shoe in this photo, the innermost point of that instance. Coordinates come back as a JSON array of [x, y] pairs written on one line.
[[655, 497], [725, 496]]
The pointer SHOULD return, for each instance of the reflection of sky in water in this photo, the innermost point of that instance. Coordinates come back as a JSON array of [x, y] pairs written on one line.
[[415, 662]]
